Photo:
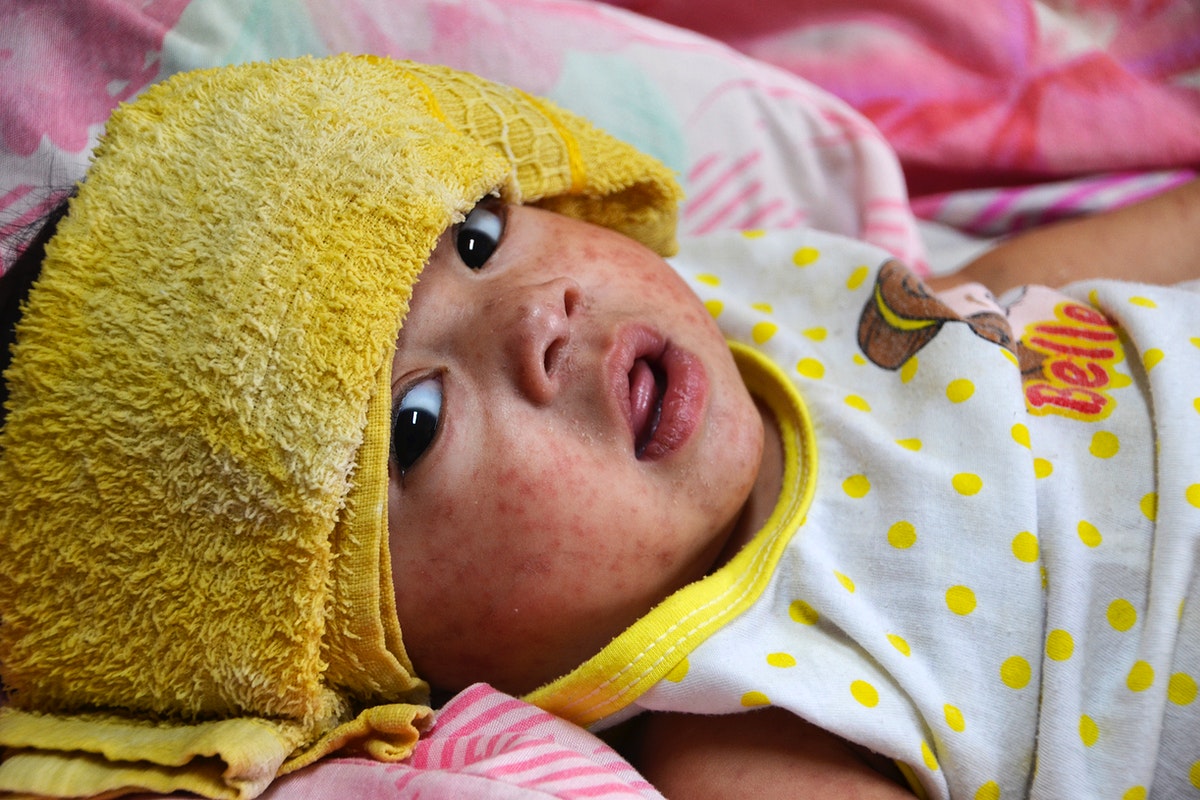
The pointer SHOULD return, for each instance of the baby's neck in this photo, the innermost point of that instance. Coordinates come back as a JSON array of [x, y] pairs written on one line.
[[765, 493]]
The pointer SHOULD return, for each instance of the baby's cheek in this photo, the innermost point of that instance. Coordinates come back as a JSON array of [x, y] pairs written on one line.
[[575, 519], [548, 505]]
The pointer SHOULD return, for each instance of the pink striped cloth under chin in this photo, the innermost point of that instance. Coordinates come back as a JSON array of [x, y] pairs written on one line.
[[486, 745]]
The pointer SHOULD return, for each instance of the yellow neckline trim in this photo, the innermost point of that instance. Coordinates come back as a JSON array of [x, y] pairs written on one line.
[[654, 645]]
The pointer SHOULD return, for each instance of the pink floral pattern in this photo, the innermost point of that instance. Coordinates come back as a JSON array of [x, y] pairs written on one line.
[[462, 34], [64, 65], [980, 93]]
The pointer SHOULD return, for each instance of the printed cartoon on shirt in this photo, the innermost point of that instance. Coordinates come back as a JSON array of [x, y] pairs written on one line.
[[1066, 351]]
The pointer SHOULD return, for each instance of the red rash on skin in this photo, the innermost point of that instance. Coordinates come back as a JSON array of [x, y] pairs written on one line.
[[530, 534]]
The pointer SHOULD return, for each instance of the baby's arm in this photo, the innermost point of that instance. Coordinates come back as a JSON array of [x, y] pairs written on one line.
[[762, 754], [1154, 241]]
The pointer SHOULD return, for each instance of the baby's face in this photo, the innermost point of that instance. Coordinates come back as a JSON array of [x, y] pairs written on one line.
[[572, 443]]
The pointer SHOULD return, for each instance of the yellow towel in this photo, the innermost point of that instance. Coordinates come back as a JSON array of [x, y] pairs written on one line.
[[195, 591]]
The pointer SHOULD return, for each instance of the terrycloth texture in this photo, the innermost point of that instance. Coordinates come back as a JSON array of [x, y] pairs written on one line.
[[196, 591]]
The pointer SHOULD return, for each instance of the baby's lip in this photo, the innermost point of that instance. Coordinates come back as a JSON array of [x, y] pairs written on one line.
[[660, 389], [647, 381]]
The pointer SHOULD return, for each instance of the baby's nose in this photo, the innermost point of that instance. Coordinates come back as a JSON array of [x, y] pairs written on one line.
[[536, 326]]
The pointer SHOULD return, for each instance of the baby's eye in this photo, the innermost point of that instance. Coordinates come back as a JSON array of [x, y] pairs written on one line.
[[415, 422], [478, 236]]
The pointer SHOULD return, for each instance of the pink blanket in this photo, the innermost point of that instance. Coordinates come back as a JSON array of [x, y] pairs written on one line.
[[486, 746], [988, 92], [986, 101]]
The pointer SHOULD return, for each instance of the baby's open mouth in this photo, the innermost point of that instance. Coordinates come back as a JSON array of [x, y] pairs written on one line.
[[647, 382]]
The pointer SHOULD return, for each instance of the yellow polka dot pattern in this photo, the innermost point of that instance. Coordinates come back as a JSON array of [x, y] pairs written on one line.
[[1121, 614], [1181, 690], [857, 486], [803, 613], [805, 256], [1060, 645], [1089, 534], [1141, 677], [928, 757], [781, 660], [846, 582], [988, 791], [966, 483], [865, 693], [954, 718], [1020, 435], [959, 390], [857, 277], [763, 331], [1016, 672], [960, 600], [902, 535], [1149, 506], [857, 402], [1025, 547], [1089, 731], [810, 368], [1104, 444]]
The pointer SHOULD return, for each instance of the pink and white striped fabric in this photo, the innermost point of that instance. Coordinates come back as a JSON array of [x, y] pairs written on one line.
[[486, 746], [1003, 211]]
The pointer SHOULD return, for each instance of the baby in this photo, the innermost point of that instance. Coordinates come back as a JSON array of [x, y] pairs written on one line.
[[835, 532]]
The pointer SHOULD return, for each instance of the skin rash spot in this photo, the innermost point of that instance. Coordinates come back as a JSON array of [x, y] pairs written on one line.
[[530, 533]]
